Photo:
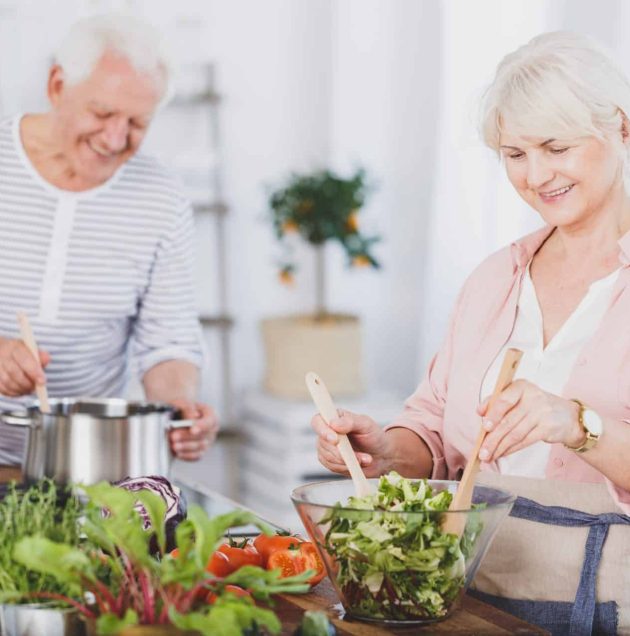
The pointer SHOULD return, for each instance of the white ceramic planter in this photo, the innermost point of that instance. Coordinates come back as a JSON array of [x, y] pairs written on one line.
[[295, 345]]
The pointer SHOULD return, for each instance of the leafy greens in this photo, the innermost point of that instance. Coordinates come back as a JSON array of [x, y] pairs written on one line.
[[46, 510], [131, 585], [397, 566]]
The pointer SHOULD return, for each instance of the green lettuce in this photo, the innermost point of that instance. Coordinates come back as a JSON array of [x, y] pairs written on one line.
[[397, 566]]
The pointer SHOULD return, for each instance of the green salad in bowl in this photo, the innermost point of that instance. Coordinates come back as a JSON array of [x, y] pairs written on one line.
[[386, 552]]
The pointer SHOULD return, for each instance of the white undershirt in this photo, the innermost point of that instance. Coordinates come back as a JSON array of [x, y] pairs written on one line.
[[549, 367]]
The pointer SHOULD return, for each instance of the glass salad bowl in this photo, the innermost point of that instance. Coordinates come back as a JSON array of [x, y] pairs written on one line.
[[386, 554]]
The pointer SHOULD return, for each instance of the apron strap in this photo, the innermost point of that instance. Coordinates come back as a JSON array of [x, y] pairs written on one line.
[[583, 611]]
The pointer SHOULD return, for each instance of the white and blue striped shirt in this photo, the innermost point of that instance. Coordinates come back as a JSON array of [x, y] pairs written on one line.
[[95, 271]]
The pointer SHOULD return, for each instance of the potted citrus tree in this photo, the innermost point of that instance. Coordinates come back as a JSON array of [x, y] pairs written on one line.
[[319, 208]]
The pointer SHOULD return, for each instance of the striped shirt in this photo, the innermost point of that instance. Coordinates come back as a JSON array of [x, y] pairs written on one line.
[[104, 275]]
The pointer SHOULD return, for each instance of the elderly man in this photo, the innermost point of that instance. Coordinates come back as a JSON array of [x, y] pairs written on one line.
[[96, 239]]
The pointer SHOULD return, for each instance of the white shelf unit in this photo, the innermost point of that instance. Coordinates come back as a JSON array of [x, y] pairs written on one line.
[[278, 451], [187, 139]]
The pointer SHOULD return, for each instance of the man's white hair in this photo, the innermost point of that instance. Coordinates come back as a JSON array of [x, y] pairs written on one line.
[[558, 85], [131, 38]]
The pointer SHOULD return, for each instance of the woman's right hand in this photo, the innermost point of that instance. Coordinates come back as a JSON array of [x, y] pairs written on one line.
[[19, 371], [366, 437]]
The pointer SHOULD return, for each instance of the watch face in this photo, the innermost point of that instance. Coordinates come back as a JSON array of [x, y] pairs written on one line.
[[592, 422]]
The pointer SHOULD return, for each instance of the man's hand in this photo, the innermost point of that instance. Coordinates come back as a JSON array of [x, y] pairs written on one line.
[[19, 372], [189, 444]]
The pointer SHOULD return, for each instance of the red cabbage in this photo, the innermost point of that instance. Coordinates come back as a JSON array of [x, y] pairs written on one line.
[[172, 495]]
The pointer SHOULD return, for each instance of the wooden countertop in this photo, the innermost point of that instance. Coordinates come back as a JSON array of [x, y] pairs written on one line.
[[10, 473], [473, 617]]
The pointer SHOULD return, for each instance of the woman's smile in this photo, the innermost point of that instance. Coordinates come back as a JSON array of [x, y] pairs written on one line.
[[559, 194]]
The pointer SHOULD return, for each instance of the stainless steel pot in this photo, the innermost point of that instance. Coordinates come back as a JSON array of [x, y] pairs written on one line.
[[88, 440], [39, 620]]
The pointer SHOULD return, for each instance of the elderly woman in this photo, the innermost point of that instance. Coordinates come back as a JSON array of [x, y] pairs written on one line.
[[557, 113]]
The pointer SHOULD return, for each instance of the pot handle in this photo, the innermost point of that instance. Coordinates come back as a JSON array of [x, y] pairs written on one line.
[[177, 421], [18, 418], [180, 424]]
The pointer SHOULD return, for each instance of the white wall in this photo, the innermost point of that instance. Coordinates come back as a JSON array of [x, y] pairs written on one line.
[[385, 100], [389, 84], [474, 210], [273, 63]]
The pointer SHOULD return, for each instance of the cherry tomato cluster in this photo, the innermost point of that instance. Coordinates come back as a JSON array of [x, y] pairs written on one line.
[[291, 554], [230, 557]]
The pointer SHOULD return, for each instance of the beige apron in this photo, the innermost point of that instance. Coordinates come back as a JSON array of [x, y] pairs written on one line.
[[535, 561]]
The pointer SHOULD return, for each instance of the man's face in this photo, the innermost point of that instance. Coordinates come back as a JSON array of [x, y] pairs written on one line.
[[102, 120]]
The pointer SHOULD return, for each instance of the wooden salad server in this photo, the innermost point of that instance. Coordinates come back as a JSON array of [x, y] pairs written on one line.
[[327, 410], [454, 523]]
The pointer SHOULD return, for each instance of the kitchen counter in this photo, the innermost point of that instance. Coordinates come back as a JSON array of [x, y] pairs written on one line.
[[473, 616]]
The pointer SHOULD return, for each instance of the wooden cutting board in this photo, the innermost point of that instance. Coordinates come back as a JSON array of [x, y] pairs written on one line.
[[474, 617]]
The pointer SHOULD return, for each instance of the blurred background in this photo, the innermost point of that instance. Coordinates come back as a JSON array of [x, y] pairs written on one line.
[[265, 88]]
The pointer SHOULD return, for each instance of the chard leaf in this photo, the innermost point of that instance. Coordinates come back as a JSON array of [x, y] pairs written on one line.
[[264, 583], [208, 532], [112, 519], [156, 509], [111, 624], [65, 563], [227, 617]]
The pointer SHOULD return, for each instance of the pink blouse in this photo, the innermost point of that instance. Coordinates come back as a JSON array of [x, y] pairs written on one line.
[[442, 410]]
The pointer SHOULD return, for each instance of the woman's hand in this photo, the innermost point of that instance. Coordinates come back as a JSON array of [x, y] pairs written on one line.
[[524, 414], [367, 438], [19, 371]]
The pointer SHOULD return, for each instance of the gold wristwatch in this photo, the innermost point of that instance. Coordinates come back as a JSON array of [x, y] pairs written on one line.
[[591, 424]]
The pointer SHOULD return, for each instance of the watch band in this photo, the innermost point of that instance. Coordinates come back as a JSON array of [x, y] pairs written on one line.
[[591, 439]]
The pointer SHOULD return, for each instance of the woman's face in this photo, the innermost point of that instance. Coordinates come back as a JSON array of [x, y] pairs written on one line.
[[567, 181]]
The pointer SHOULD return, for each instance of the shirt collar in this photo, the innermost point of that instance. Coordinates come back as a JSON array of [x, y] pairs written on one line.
[[624, 244], [524, 249]]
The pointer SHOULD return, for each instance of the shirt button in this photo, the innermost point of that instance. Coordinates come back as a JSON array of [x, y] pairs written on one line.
[[558, 462]]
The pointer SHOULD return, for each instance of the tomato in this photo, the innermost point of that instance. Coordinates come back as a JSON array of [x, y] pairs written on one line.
[[230, 589], [229, 558], [298, 559], [268, 545], [219, 564]]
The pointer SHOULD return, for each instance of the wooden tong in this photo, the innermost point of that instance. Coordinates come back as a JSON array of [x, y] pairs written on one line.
[[327, 410], [455, 523]]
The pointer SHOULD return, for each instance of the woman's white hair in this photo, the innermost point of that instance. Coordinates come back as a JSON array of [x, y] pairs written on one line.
[[122, 34], [557, 85]]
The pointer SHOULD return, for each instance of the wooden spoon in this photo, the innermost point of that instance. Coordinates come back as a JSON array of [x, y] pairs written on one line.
[[462, 499], [29, 341], [327, 410]]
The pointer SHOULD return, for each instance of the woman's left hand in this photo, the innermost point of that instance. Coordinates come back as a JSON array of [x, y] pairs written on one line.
[[524, 414]]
